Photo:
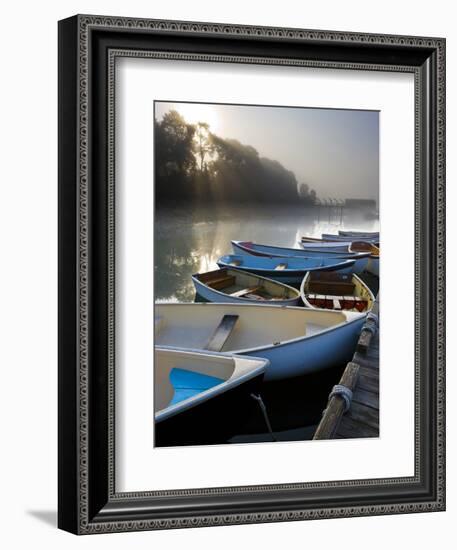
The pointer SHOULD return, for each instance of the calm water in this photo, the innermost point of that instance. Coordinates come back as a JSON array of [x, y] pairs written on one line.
[[187, 243]]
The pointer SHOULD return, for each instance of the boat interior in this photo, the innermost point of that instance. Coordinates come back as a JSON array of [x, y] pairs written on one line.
[[360, 246], [180, 375], [336, 291], [241, 285], [230, 327]]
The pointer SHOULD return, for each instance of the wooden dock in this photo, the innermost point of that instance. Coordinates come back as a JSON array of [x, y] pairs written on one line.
[[361, 377]]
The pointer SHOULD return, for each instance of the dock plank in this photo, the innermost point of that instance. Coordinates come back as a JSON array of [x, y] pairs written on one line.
[[368, 383], [367, 415], [368, 398], [369, 372], [350, 428]]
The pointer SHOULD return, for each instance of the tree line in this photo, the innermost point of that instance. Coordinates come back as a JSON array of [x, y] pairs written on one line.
[[194, 164]]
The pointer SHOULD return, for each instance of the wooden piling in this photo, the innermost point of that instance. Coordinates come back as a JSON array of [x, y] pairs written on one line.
[[336, 405]]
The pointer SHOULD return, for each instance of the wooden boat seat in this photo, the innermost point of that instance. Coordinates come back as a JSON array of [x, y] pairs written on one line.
[[222, 282], [330, 276], [280, 267], [331, 287], [222, 332], [326, 301], [245, 291]]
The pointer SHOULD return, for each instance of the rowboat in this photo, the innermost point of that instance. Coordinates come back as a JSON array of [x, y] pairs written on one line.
[[287, 270], [350, 247], [320, 244], [254, 249], [355, 234], [201, 397], [321, 289], [331, 237], [361, 246], [296, 340], [236, 286]]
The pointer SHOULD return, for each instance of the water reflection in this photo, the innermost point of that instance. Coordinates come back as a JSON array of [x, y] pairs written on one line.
[[188, 242]]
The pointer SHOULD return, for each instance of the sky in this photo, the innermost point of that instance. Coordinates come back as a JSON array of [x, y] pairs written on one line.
[[336, 152]]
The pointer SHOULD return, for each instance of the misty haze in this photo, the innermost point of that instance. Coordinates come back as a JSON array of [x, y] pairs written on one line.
[[247, 200], [236, 153]]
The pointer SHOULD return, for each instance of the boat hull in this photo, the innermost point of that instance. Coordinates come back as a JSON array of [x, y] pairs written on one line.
[[361, 259], [312, 354], [261, 266], [213, 421], [373, 266], [338, 238], [363, 234], [321, 244]]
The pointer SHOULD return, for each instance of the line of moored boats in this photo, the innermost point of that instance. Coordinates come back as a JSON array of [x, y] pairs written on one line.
[[212, 357]]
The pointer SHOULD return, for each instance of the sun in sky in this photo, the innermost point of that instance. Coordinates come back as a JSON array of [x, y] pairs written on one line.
[[193, 113]]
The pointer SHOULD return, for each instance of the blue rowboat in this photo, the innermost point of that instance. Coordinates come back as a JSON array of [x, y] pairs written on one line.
[[330, 237], [295, 340], [286, 270], [202, 397], [254, 249], [373, 265], [320, 244], [236, 286], [356, 246], [357, 234]]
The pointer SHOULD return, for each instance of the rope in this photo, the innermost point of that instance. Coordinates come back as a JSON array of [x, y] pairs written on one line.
[[259, 400], [373, 317], [344, 392], [370, 327]]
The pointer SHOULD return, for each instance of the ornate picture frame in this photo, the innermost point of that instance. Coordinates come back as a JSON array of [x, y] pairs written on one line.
[[88, 47]]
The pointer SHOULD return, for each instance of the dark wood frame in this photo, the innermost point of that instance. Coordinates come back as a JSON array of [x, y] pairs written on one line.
[[88, 46]]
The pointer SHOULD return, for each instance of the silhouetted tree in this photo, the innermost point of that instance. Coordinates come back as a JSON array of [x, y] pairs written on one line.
[[191, 163], [174, 156], [306, 195]]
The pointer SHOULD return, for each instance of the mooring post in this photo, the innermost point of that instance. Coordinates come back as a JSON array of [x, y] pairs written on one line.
[[338, 403]]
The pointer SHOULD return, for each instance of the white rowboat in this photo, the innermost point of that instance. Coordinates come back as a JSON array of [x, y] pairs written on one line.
[[295, 340], [236, 286]]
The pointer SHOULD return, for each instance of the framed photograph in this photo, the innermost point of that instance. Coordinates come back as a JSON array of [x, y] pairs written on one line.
[[251, 274]]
